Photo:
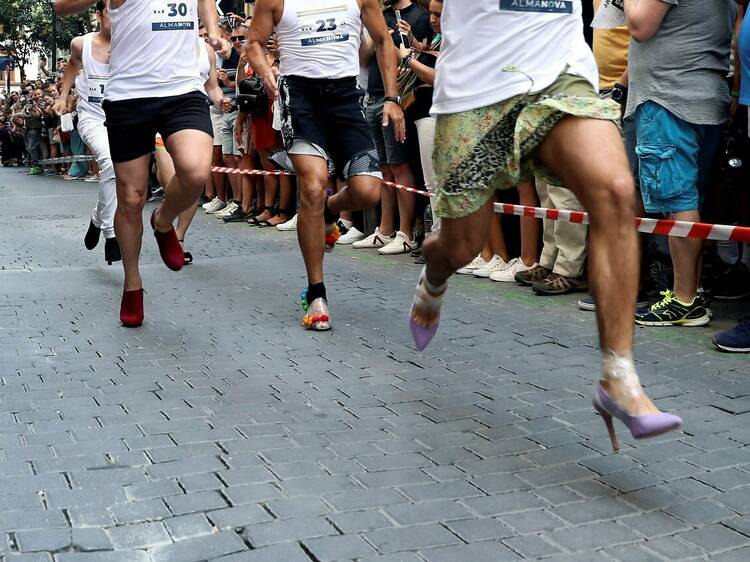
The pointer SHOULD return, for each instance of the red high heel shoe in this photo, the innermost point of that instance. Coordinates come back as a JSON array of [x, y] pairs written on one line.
[[131, 308], [169, 247]]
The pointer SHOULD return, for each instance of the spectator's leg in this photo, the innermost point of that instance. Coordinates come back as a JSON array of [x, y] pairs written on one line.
[[219, 180], [426, 134], [529, 225], [569, 238], [406, 201], [549, 248]]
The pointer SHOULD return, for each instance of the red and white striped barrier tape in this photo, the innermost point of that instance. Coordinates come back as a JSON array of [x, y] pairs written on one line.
[[660, 227]]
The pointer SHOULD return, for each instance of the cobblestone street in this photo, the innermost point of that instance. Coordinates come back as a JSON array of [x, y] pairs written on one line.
[[221, 430]]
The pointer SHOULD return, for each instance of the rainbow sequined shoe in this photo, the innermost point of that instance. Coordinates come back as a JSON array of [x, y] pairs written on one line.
[[316, 316], [332, 235]]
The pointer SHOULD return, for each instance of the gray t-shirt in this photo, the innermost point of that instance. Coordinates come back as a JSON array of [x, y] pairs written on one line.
[[685, 65]]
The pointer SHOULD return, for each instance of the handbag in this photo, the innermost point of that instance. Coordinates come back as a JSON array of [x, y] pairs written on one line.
[[252, 97], [66, 122]]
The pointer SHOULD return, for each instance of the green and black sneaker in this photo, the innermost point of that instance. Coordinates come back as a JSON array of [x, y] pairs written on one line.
[[670, 312]]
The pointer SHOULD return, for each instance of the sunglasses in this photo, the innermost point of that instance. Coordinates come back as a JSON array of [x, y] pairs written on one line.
[[237, 38]]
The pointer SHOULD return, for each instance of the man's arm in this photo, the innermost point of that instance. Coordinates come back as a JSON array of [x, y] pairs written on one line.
[[387, 55], [267, 14], [210, 19], [71, 71], [644, 17], [70, 7]]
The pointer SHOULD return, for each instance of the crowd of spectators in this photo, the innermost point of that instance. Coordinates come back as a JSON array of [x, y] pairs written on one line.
[[685, 126], [31, 130]]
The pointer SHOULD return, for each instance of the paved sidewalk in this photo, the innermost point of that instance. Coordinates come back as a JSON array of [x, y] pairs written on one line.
[[221, 430]]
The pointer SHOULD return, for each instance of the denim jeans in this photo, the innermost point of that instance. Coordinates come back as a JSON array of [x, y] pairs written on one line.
[[33, 145]]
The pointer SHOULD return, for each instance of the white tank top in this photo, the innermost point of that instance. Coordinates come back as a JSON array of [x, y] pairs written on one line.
[[498, 49], [204, 65], [153, 49], [320, 38], [91, 81]]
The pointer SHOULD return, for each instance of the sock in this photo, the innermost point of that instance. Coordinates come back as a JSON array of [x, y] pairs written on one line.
[[434, 290], [348, 224], [316, 291], [330, 218], [621, 368]]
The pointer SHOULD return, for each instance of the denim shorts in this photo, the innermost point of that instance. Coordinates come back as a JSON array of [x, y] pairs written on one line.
[[674, 159], [390, 151]]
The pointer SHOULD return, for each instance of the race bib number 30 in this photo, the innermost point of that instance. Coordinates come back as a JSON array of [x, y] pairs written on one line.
[[171, 16], [543, 6]]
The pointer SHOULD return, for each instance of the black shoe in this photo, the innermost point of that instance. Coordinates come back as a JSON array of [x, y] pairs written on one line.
[[92, 236], [112, 251], [416, 253], [156, 194], [238, 215], [732, 284]]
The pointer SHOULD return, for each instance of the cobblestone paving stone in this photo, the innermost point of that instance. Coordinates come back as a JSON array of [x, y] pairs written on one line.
[[220, 430]]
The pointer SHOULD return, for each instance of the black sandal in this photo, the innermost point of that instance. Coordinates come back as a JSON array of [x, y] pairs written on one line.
[[253, 221], [187, 255], [266, 223]]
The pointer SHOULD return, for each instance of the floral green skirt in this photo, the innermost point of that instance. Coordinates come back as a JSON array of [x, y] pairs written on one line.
[[482, 150]]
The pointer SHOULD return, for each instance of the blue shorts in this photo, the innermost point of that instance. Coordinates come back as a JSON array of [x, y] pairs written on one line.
[[674, 159]]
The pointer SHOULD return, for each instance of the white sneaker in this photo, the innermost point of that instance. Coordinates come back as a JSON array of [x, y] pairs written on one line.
[[209, 203], [375, 240], [215, 205], [508, 275], [399, 245], [288, 226], [495, 264], [353, 235], [471, 267], [226, 211]]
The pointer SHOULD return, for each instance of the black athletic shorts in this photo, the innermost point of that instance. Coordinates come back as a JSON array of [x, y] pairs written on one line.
[[132, 124], [327, 115]]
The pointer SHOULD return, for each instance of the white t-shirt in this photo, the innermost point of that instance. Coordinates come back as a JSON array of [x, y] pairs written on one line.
[[495, 49]]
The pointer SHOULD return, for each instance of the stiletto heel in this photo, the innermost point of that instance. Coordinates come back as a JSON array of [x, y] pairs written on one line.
[[610, 428], [640, 427]]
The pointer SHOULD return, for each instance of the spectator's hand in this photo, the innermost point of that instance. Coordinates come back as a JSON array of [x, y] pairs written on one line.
[[403, 52], [60, 106], [405, 29], [271, 82], [394, 115], [221, 74], [226, 105]]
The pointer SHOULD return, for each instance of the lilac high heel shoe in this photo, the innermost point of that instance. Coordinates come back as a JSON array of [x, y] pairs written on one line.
[[423, 298], [649, 425]]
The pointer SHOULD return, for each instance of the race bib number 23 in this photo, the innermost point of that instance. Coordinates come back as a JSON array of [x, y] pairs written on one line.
[[543, 6], [172, 15]]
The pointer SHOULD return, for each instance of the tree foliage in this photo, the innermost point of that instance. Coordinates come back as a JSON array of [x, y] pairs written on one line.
[[26, 29]]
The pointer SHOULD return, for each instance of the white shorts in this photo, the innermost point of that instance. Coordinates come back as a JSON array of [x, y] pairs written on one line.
[[217, 121]]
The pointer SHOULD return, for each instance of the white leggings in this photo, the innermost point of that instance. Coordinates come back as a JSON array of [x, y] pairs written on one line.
[[94, 134], [426, 134]]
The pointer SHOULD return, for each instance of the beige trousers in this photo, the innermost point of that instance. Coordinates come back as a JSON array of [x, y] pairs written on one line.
[[564, 249]]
